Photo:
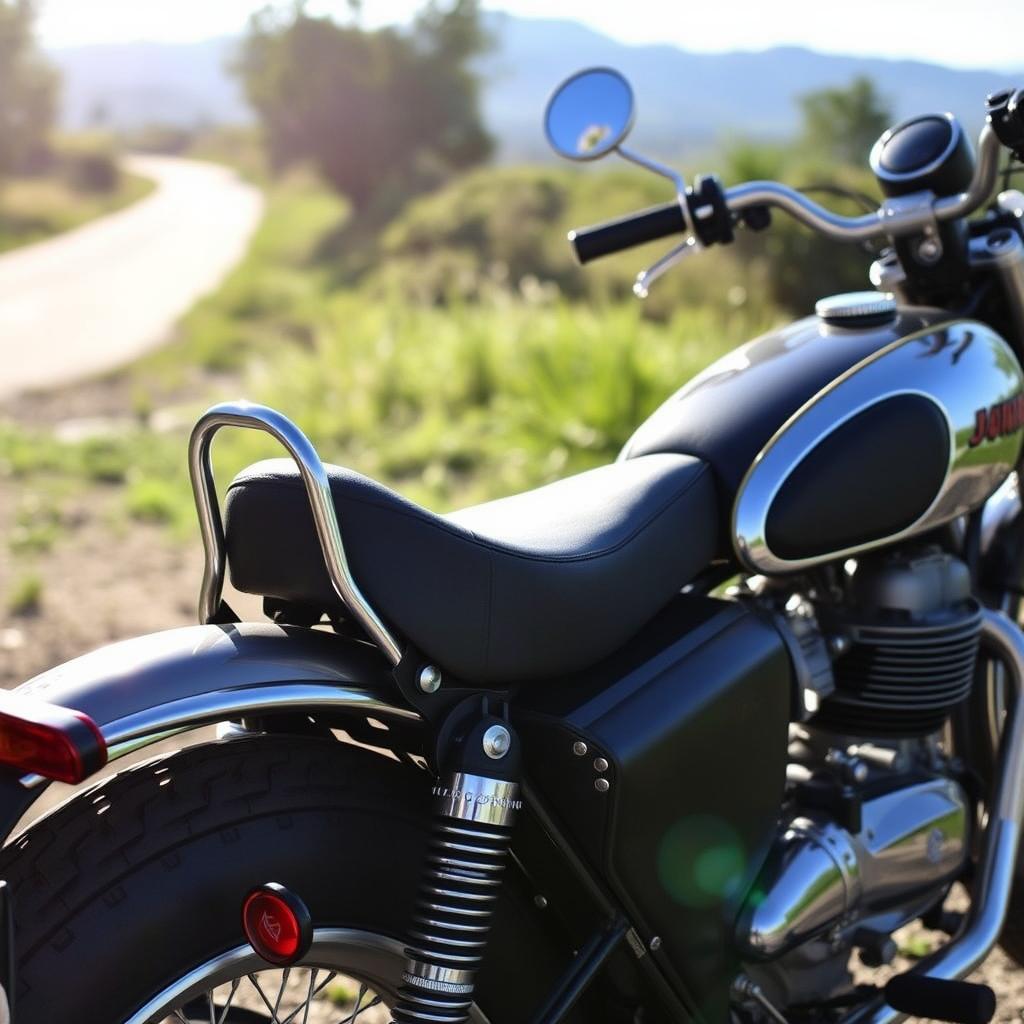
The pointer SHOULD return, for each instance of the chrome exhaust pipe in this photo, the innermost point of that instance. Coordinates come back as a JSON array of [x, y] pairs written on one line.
[[983, 922]]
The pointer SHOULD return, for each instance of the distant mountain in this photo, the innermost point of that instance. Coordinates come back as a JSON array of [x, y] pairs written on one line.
[[688, 99], [130, 85], [685, 100]]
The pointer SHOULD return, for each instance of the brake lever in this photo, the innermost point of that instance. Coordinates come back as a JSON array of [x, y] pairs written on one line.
[[647, 277]]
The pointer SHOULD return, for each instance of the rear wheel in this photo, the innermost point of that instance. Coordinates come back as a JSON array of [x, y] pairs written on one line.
[[127, 900]]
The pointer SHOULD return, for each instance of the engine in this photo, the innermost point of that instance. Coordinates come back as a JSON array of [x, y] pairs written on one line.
[[876, 826], [908, 631]]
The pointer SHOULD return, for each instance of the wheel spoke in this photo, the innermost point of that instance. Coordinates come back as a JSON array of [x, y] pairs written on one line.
[[212, 1007], [359, 1007], [309, 994], [331, 975], [231, 997], [280, 990], [266, 1001], [359, 1002], [181, 1016]]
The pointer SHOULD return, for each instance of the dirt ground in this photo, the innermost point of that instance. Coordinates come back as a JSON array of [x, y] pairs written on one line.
[[105, 580]]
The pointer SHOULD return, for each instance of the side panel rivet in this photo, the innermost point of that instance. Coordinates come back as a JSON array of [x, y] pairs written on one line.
[[496, 742], [430, 679], [600, 764], [579, 748], [601, 785]]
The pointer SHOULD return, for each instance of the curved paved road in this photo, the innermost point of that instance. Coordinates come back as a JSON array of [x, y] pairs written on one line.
[[96, 297]]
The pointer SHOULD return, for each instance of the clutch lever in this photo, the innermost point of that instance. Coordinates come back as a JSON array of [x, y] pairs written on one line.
[[647, 277]]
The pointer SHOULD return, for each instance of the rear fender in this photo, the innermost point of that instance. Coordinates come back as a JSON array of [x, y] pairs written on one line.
[[140, 691]]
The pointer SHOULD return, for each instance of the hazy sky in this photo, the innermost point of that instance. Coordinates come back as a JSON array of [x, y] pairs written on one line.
[[982, 33]]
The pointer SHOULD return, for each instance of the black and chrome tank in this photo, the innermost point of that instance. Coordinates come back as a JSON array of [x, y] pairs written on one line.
[[832, 436]]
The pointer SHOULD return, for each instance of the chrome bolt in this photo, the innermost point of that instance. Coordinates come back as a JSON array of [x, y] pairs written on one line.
[[579, 748], [600, 764], [497, 740], [655, 944], [540, 902], [430, 679], [602, 785], [929, 251], [839, 644]]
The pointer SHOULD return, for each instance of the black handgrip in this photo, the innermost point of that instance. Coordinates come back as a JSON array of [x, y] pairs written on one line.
[[637, 228], [962, 1002]]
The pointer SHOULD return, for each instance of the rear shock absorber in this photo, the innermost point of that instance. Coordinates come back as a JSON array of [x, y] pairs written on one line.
[[476, 802]]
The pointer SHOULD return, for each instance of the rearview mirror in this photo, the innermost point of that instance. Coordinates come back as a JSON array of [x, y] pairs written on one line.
[[589, 114]]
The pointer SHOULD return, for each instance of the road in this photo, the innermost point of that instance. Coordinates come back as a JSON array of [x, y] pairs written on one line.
[[97, 297]]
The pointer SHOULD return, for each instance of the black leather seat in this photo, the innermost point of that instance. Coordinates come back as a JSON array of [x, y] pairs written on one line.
[[541, 583]]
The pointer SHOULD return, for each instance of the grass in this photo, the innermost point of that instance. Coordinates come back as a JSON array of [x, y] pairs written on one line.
[[32, 209], [451, 404], [26, 595]]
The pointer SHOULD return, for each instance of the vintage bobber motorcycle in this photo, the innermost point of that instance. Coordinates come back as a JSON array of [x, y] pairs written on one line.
[[539, 760]]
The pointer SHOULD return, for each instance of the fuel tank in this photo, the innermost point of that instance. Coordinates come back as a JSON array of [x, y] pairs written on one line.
[[829, 440]]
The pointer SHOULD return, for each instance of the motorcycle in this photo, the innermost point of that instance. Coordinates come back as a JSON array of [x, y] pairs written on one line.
[[681, 738]]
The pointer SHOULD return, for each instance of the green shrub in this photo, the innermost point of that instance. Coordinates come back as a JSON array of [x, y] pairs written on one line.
[[26, 595]]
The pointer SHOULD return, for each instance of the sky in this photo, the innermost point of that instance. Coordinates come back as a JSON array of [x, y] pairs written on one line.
[[981, 34]]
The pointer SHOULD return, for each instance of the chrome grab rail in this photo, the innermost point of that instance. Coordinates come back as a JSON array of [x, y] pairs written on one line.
[[1000, 841], [318, 491]]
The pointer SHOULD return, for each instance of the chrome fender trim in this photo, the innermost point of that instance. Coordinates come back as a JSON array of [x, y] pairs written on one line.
[[146, 689]]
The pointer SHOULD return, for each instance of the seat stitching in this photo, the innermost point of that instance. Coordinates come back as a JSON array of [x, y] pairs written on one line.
[[464, 533]]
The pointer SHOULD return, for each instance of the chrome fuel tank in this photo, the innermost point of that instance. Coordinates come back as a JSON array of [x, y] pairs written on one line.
[[916, 434], [825, 441]]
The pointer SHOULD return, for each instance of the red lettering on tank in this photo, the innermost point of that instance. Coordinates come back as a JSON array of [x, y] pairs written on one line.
[[998, 420], [980, 428]]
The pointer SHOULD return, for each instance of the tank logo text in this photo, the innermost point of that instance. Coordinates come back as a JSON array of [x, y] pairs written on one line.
[[998, 421]]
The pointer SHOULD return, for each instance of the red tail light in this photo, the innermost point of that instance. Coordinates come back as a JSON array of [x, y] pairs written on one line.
[[277, 924], [52, 741]]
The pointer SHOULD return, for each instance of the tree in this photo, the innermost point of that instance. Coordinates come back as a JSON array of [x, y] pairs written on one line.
[[843, 123], [28, 90], [377, 111]]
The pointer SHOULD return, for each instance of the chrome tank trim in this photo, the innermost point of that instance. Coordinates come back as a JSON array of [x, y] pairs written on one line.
[[1001, 839], [318, 491], [950, 365], [1000, 511]]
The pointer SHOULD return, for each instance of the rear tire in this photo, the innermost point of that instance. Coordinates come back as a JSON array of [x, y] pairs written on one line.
[[141, 879]]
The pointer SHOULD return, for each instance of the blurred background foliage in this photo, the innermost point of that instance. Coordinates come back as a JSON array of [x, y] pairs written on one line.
[[414, 307], [49, 182]]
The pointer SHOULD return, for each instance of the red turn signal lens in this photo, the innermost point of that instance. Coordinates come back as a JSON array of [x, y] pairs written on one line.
[[277, 924], [48, 739]]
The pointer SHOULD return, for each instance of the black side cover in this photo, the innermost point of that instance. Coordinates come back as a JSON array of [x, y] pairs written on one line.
[[870, 478], [691, 717]]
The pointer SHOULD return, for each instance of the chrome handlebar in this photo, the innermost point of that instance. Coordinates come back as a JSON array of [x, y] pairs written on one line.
[[902, 215], [318, 491]]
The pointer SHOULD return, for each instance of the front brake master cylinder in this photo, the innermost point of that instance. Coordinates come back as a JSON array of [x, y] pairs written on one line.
[[476, 802]]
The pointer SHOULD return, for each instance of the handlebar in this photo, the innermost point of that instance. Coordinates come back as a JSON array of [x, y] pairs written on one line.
[[633, 229], [897, 216]]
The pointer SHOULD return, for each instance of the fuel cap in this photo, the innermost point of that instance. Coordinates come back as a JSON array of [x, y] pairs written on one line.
[[857, 309]]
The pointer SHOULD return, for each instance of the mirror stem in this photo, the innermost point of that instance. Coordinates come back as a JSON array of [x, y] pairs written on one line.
[[666, 172]]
